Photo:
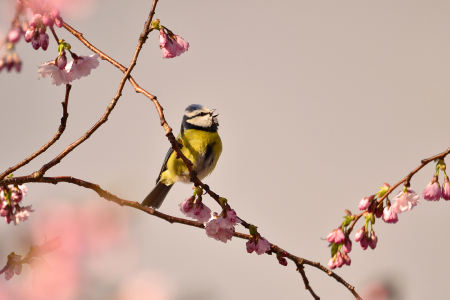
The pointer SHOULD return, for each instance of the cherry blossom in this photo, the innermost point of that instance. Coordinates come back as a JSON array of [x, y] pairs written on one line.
[[12, 266], [432, 191], [51, 69], [389, 216], [81, 66], [405, 200], [215, 230], [445, 193], [365, 203]]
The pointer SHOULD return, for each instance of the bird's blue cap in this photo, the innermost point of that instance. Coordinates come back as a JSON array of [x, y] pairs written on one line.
[[193, 107]]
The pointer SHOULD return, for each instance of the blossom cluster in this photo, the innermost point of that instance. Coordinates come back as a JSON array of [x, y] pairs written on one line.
[[43, 15], [10, 197], [433, 191]]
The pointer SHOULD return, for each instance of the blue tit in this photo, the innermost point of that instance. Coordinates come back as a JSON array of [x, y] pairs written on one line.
[[201, 145]]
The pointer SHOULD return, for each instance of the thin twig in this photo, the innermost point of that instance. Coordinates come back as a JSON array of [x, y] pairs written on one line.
[[110, 107], [301, 270], [58, 134], [405, 180]]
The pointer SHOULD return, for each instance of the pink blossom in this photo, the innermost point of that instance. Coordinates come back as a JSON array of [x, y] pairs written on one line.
[[446, 189], [172, 46], [230, 221], [251, 245], [332, 263], [340, 236], [405, 201], [347, 246], [331, 236], [187, 205], [58, 76], [61, 61], [262, 246], [214, 230], [432, 191], [339, 260], [48, 20], [359, 234], [22, 214], [168, 47], [373, 240], [43, 41], [14, 35], [181, 45], [364, 242], [364, 203], [389, 216], [347, 259], [81, 66]]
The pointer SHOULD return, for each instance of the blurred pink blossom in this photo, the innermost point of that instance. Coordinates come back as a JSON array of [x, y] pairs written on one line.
[[81, 66], [262, 246]]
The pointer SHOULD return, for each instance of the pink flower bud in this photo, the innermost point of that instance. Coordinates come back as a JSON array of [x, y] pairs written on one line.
[[43, 41], [35, 42], [35, 20], [347, 247], [61, 61], [364, 242], [29, 34], [14, 35], [48, 20], [432, 191], [364, 203], [251, 245], [339, 260], [347, 259], [359, 234], [186, 205], [446, 189], [283, 261], [379, 211], [331, 236], [331, 264], [18, 66], [54, 12], [340, 237], [32, 21], [2, 64], [389, 216], [42, 30], [373, 240], [58, 21]]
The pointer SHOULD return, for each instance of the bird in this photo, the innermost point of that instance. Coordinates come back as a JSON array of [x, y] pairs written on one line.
[[201, 144]]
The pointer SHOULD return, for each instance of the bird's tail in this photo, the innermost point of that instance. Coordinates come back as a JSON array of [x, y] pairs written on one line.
[[157, 195]]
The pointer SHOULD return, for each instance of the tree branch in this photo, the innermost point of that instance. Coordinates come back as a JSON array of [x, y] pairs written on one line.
[[58, 134]]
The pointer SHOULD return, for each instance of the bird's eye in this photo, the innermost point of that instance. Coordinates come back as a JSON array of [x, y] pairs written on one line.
[[202, 114]]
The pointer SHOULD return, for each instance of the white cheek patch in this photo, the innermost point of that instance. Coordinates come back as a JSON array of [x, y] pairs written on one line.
[[197, 111], [203, 121]]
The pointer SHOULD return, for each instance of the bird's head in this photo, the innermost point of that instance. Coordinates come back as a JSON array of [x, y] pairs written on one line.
[[200, 117]]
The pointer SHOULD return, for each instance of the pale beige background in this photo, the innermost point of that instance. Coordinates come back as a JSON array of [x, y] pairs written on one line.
[[320, 102]]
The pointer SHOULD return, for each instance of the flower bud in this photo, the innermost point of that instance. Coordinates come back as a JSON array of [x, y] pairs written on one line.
[[42, 29], [364, 203], [364, 242], [251, 245], [283, 261], [43, 41], [331, 263], [446, 189], [359, 234], [2, 64], [347, 259], [35, 42], [373, 240], [58, 21], [47, 20], [379, 211], [35, 20], [347, 247], [340, 236], [14, 35], [29, 34], [331, 236], [339, 260], [54, 12], [61, 61]]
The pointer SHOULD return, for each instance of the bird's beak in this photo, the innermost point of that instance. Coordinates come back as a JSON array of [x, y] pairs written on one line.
[[212, 111]]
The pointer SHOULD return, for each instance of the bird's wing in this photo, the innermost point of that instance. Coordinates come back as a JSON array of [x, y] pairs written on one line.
[[166, 159], [164, 165]]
